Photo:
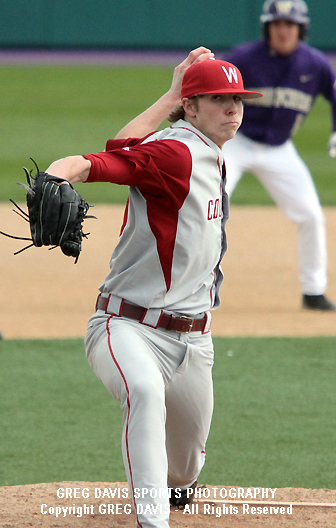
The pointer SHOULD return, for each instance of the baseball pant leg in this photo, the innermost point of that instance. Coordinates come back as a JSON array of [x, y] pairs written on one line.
[[189, 404], [150, 370], [288, 181], [123, 360]]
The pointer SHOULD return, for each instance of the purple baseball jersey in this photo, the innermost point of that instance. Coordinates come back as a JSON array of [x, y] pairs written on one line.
[[289, 84]]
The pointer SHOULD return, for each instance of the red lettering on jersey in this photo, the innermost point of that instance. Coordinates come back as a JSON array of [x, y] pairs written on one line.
[[214, 209], [210, 208]]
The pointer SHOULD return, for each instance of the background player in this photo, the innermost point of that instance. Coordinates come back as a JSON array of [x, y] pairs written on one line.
[[290, 74], [149, 341]]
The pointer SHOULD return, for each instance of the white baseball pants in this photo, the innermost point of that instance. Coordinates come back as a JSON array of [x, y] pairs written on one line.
[[288, 181], [163, 380]]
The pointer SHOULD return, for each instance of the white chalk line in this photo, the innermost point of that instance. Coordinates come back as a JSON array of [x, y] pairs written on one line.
[[271, 503]]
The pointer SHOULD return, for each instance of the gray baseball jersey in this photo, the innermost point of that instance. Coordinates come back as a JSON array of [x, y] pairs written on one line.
[[173, 235]]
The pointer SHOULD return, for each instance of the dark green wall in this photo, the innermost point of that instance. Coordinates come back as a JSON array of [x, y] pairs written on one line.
[[161, 24]]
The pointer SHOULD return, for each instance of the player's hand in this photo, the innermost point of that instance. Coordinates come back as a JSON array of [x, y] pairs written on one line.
[[332, 145], [150, 119], [196, 55]]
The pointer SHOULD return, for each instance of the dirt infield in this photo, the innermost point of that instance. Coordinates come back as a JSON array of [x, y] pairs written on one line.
[[43, 294]]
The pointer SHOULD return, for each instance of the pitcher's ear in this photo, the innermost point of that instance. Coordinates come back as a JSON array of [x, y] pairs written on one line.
[[190, 106]]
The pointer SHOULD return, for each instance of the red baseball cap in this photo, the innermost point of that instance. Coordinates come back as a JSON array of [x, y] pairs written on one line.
[[214, 76]]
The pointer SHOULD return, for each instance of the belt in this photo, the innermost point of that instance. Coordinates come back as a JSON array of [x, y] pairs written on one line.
[[181, 324]]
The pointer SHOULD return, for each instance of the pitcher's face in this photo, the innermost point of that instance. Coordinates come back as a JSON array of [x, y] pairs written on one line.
[[217, 116]]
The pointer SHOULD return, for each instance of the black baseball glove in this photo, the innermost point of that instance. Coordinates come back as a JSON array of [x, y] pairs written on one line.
[[56, 212]]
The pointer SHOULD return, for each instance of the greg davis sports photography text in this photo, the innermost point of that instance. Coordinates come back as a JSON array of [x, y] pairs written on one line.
[[118, 501]]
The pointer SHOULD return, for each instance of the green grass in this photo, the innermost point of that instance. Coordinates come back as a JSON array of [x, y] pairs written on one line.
[[57, 420], [273, 423], [48, 112], [52, 112]]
